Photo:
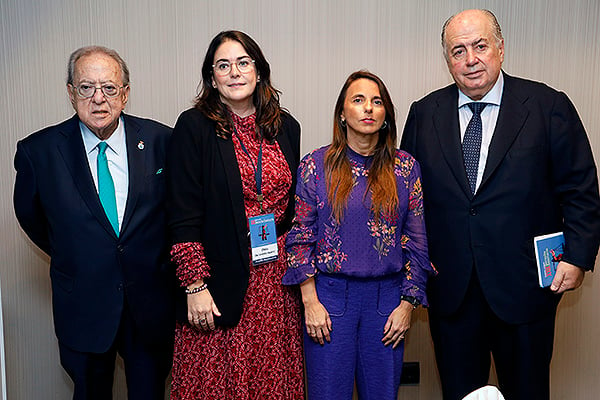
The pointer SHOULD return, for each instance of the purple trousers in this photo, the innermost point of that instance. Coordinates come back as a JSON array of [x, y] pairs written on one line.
[[359, 309]]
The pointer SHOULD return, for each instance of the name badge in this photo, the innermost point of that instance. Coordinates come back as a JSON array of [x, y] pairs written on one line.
[[263, 239]]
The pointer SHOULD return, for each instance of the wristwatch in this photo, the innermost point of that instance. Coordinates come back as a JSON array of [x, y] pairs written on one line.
[[412, 300]]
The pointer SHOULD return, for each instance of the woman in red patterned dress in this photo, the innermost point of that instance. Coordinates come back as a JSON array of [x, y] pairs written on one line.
[[233, 157]]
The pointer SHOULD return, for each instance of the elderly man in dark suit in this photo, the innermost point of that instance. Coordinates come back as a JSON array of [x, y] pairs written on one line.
[[503, 160], [90, 193]]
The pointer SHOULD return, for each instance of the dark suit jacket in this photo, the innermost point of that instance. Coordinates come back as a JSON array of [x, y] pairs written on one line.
[[205, 204], [539, 178], [92, 271]]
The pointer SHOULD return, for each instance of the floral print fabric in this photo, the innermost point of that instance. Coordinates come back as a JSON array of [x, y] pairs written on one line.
[[361, 245]]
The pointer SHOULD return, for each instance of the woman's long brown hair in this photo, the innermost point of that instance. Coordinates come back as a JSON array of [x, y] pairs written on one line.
[[265, 97], [338, 173]]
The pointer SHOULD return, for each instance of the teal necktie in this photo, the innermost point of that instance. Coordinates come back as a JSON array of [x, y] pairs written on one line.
[[106, 188]]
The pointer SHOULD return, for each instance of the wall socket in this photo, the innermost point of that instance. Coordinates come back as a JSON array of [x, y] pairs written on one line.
[[411, 373]]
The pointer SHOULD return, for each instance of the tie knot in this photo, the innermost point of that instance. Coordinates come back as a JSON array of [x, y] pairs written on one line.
[[102, 147], [477, 108]]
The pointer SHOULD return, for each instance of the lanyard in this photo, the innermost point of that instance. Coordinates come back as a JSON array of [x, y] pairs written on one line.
[[257, 168]]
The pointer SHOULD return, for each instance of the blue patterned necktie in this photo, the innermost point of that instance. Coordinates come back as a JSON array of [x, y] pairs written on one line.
[[471, 144], [106, 188]]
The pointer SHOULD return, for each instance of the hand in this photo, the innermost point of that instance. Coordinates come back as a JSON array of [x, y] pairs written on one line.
[[568, 277], [201, 310], [397, 324], [318, 323], [316, 317]]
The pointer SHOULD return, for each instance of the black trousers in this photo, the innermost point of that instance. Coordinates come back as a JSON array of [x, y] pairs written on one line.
[[464, 341], [146, 367]]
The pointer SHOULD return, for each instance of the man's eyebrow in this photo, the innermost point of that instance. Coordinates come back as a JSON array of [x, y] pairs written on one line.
[[476, 42]]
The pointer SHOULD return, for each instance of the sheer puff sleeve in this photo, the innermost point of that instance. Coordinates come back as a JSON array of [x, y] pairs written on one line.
[[417, 267], [301, 240]]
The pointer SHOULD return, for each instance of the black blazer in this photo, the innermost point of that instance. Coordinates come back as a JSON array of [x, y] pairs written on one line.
[[539, 178], [92, 271], [205, 204]]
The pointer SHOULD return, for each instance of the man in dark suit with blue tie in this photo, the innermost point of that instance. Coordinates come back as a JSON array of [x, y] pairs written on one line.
[[503, 160], [90, 193]]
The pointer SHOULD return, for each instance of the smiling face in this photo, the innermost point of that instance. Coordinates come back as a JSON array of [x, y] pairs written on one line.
[[99, 113], [473, 53], [235, 88], [363, 112]]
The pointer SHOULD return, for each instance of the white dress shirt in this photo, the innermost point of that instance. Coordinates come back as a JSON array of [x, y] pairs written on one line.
[[489, 117], [116, 154]]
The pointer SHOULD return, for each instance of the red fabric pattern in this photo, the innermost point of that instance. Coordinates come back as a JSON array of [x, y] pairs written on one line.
[[190, 261], [260, 358]]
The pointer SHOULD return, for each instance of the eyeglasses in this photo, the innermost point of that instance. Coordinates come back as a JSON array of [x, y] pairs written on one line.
[[244, 65], [110, 90]]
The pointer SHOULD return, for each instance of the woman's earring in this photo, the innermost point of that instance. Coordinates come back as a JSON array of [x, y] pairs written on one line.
[[343, 122], [384, 126]]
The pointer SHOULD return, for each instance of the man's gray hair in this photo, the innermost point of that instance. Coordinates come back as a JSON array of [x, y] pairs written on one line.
[[496, 30], [87, 50]]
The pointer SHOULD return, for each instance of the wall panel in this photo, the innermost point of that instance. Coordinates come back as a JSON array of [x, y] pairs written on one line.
[[312, 46]]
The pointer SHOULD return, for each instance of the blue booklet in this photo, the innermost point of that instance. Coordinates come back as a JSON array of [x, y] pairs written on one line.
[[549, 251]]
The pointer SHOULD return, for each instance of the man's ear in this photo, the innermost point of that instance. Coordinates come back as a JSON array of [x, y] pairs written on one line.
[[71, 91]]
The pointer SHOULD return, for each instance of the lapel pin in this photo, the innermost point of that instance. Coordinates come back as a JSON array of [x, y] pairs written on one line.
[[141, 145]]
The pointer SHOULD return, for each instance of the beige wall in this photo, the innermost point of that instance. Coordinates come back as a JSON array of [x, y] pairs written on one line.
[[312, 46]]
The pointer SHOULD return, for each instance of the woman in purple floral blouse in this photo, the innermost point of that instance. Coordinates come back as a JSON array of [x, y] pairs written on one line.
[[358, 248]]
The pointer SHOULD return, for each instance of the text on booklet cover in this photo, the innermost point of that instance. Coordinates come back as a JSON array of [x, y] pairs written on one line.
[[549, 250]]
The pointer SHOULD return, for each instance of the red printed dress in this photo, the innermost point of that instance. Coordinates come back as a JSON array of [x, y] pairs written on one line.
[[261, 357]]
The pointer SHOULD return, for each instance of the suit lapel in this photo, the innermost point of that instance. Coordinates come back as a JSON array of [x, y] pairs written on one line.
[[136, 163], [73, 153], [286, 148], [447, 127], [511, 119], [234, 183]]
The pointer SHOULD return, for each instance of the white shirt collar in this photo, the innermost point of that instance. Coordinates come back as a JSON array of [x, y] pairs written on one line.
[[116, 141], [494, 96]]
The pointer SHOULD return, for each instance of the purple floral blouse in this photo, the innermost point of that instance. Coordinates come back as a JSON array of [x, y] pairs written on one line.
[[360, 246]]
